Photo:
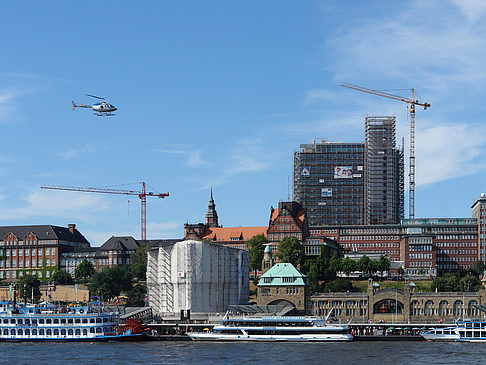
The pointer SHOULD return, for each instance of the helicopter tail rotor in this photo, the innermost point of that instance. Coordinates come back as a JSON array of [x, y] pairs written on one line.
[[74, 105]]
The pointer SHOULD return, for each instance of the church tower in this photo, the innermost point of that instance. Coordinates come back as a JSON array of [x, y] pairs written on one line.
[[212, 215]]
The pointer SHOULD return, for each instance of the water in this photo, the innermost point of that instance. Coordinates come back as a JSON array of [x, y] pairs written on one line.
[[244, 353]]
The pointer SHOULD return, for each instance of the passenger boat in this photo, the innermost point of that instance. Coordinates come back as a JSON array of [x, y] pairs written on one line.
[[274, 328], [49, 323], [465, 330], [441, 334]]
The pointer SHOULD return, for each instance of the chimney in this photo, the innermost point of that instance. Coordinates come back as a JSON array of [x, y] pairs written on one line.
[[72, 228]]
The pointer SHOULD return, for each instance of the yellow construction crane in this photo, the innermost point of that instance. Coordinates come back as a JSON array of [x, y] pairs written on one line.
[[412, 103]]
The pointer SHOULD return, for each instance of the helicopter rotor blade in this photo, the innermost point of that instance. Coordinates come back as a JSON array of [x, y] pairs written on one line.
[[94, 96]]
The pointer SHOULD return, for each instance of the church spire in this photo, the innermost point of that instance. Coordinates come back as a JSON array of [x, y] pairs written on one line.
[[212, 215]]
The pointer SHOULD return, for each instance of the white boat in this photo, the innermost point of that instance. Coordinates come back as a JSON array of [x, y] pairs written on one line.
[[441, 334], [465, 330], [274, 328], [49, 323]]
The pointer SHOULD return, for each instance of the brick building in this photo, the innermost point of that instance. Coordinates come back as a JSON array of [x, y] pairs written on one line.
[[36, 249]]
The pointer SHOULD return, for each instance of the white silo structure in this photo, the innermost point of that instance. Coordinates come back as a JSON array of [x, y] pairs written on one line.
[[199, 276]]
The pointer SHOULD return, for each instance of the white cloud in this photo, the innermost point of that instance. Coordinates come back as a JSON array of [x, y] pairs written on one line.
[[192, 155], [53, 204], [446, 152], [7, 103], [77, 152], [472, 9]]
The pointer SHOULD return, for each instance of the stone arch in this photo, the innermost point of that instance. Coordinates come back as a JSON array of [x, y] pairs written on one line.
[[388, 305], [415, 308], [444, 308], [457, 309], [471, 309], [282, 302], [429, 309]]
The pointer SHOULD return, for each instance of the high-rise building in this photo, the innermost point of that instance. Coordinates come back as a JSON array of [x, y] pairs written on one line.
[[352, 183], [384, 188], [328, 182], [478, 212]]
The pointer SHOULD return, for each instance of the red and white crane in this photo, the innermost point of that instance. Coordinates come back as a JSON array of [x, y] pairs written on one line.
[[143, 194]]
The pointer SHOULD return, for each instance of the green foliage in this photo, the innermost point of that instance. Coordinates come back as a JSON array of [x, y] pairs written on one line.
[[383, 264], [136, 295], [339, 285], [334, 265], [256, 247], [111, 282], [291, 250], [313, 276], [27, 285], [348, 266], [138, 262], [451, 282], [84, 270], [364, 264], [477, 268], [61, 277]]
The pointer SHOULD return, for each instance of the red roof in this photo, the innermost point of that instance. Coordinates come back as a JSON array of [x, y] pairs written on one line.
[[240, 233]]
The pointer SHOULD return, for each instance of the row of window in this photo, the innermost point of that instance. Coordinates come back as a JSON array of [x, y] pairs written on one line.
[[11, 242], [14, 274], [68, 321], [39, 251], [28, 263], [53, 332]]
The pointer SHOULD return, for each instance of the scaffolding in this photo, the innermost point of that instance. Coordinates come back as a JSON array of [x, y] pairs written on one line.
[[383, 171]]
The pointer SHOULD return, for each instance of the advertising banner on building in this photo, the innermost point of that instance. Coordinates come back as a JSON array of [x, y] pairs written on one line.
[[326, 192], [305, 171], [343, 172]]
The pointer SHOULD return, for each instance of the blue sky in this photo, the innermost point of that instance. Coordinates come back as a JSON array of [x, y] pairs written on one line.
[[221, 93]]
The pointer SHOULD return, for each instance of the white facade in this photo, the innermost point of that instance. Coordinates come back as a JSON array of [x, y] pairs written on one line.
[[199, 276]]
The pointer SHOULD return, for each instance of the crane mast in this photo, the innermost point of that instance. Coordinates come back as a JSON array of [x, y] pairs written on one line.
[[141, 194], [412, 103]]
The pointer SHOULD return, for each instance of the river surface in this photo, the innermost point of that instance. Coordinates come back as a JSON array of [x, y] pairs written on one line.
[[168, 352]]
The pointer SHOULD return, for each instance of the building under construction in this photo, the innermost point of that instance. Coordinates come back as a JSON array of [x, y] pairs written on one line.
[[352, 183], [197, 276], [384, 180]]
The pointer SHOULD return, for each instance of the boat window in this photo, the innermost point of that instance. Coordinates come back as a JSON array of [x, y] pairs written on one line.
[[55, 320], [5, 332], [63, 332], [85, 332], [85, 320], [63, 320], [468, 333], [70, 321], [12, 332], [477, 325], [27, 332], [78, 332], [20, 321], [20, 332], [106, 319], [91, 320], [70, 332], [98, 320], [77, 320], [12, 321], [27, 321], [41, 320], [91, 330], [41, 332], [469, 325], [34, 332], [34, 321], [477, 334], [5, 321], [98, 330], [56, 332], [48, 321]]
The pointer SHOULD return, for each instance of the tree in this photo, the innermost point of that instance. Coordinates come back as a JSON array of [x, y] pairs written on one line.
[[364, 264], [477, 268], [334, 265], [339, 285], [61, 277], [256, 247], [136, 296], [383, 264], [84, 270], [348, 266], [290, 250], [29, 286], [313, 276], [138, 262], [111, 282]]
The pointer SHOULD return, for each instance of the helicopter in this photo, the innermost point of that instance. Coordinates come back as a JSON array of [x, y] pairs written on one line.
[[100, 109]]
